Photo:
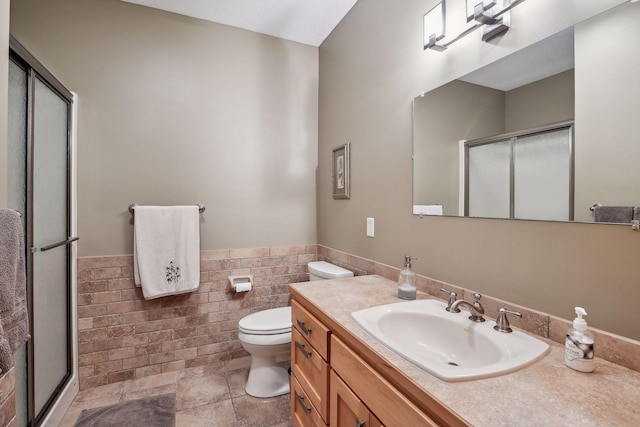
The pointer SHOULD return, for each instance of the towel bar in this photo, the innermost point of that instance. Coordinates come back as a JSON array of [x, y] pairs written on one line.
[[132, 207]]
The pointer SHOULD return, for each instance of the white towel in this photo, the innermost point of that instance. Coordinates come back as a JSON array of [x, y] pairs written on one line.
[[166, 250], [427, 209]]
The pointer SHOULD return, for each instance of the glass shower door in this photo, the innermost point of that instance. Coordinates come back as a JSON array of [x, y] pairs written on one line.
[[39, 173], [50, 247]]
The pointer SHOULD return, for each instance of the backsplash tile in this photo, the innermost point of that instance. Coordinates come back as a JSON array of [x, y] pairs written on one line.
[[122, 336], [611, 347]]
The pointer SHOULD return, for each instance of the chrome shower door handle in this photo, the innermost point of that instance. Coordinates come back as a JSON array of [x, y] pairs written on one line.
[[54, 245]]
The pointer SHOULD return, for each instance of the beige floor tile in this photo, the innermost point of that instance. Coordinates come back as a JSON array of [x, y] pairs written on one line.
[[254, 412], [148, 392], [76, 408], [70, 417], [206, 396], [200, 371], [239, 363], [151, 381], [219, 414], [198, 391], [99, 392], [284, 424], [237, 382]]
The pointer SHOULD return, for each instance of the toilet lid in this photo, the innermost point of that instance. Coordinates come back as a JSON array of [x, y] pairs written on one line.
[[267, 322]]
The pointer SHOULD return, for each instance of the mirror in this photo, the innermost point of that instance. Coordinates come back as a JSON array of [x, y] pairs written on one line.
[[574, 79]]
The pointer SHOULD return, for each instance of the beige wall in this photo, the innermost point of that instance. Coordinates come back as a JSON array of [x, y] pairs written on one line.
[[610, 177], [4, 77], [174, 110], [453, 112], [540, 103], [371, 67]]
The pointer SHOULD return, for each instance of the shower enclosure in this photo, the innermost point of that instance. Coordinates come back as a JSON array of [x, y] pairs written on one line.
[[40, 188]]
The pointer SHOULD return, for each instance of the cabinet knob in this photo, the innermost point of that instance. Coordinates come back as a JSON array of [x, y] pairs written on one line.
[[360, 423]]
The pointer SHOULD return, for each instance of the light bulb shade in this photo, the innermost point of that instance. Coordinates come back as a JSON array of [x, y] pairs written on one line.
[[434, 27]]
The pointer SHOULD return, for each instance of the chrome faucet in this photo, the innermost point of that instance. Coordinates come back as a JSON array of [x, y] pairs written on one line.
[[502, 322], [452, 299], [476, 309]]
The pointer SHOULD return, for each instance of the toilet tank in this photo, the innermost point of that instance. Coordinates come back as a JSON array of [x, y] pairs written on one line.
[[322, 270]]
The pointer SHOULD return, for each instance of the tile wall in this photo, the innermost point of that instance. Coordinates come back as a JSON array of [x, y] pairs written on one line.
[[122, 336], [7, 398]]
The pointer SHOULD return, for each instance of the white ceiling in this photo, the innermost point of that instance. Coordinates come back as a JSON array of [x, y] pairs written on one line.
[[303, 21]]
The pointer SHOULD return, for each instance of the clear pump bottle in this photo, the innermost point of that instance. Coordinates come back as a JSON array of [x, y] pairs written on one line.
[[407, 280], [579, 344]]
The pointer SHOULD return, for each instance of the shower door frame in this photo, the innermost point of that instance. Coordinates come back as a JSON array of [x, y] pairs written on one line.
[[58, 402]]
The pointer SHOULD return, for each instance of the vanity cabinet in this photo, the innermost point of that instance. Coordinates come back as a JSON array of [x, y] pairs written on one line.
[[331, 384], [309, 367]]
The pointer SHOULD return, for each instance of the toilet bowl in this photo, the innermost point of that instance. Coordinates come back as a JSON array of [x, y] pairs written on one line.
[[266, 336]]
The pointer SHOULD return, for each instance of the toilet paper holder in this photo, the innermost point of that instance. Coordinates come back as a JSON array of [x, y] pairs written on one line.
[[242, 283]]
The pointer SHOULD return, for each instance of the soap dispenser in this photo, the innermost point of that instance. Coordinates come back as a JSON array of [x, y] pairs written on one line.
[[407, 280], [579, 344]]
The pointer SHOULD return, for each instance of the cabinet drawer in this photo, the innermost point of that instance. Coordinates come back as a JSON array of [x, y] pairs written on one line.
[[311, 328], [303, 413], [384, 400], [311, 371]]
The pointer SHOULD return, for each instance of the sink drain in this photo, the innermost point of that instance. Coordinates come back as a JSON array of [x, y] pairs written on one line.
[[452, 364]]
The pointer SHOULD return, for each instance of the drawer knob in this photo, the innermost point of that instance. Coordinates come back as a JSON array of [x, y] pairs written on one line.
[[302, 349], [360, 423], [303, 327], [300, 399]]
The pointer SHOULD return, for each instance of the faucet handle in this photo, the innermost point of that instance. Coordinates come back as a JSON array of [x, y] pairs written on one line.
[[502, 322], [452, 299]]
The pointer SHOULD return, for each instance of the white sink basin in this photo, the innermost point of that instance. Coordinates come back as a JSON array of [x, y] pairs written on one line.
[[448, 345]]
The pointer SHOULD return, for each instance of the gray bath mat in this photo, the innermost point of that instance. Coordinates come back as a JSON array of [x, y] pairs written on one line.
[[156, 411]]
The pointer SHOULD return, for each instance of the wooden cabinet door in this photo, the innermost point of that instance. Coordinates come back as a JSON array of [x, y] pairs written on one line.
[[346, 409]]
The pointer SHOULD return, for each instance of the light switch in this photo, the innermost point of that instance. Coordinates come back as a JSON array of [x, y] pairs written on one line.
[[370, 227]]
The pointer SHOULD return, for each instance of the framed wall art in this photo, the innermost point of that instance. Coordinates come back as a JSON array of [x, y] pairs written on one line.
[[340, 173]]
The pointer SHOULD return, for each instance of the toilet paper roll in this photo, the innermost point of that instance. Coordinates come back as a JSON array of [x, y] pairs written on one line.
[[243, 287]]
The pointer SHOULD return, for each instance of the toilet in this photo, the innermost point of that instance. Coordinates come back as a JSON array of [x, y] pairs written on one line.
[[266, 335], [322, 270]]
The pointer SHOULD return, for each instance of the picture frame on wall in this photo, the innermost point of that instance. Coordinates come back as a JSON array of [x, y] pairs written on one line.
[[340, 175]]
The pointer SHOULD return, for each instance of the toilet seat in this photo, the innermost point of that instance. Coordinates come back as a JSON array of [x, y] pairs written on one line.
[[267, 322]]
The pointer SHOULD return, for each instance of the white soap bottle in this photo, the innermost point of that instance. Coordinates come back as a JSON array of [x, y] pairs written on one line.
[[579, 344], [407, 280]]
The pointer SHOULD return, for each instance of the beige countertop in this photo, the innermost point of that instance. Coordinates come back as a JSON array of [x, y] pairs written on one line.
[[546, 393]]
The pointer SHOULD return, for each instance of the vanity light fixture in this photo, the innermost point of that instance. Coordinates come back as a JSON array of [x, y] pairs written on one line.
[[490, 15], [476, 10], [434, 26]]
